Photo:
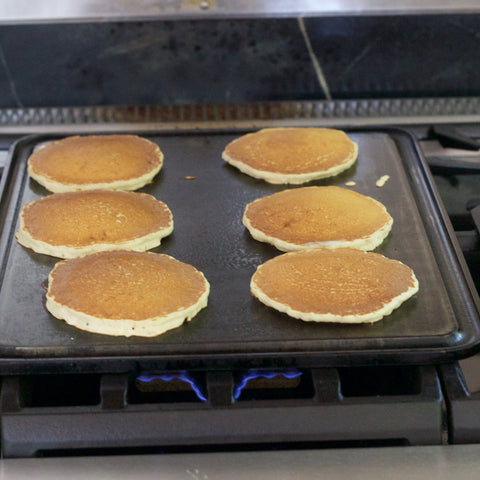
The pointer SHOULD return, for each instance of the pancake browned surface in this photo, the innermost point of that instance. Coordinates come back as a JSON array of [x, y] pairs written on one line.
[[343, 285], [126, 293], [292, 155], [114, 162], [71, 224], [307, 217]]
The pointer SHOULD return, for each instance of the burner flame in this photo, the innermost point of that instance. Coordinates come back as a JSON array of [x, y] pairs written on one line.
[[253, 374], [168, 377]]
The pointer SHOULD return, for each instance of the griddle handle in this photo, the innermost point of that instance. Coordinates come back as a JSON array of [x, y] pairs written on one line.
[[450, 137]]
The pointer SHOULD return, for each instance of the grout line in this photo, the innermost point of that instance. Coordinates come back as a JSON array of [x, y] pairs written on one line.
[[11, 82], [316, 65]]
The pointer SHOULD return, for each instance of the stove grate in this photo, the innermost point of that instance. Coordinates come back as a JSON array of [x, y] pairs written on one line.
[[320, 406]]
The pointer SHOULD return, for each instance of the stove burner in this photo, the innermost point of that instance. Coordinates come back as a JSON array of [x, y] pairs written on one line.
[[182, 377], [253, 374]]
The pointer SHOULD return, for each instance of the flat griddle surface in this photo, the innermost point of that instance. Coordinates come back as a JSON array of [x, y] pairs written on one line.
[[207, 198]]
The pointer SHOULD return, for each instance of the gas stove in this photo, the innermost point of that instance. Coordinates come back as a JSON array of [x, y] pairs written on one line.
[[94, 412], [455, 163]]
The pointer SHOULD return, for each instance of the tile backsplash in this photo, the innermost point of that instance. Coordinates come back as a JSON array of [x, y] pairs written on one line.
[[160, 62]]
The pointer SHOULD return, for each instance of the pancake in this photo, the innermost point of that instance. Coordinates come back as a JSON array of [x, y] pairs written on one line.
[[72, 224], [292, 155], [126, 293], [343, 285], [308, 217], [114, 162]]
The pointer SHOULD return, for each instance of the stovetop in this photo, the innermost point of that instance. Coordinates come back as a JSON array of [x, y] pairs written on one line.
[[59, 415], [456, 170]]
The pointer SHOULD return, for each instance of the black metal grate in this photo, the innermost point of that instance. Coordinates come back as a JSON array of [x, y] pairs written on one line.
[[114, 415], [380, 110]]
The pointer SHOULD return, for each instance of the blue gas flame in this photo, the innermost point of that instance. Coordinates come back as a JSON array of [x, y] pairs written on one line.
[[168, 377], [252, 374]]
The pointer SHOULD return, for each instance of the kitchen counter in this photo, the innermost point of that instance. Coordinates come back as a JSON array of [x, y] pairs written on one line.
[[438, 462]]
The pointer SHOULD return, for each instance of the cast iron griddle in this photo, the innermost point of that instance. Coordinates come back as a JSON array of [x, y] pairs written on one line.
[[439, 323]]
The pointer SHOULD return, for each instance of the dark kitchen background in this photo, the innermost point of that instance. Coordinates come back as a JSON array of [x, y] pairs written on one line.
[[239, 60]]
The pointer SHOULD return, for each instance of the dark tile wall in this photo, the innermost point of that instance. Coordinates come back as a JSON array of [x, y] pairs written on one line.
[[399, 56], [238, 60]]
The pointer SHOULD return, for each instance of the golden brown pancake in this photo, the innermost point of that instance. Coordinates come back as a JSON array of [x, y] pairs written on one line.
[[114, 162], [343, 285], [292, 155], [72, 224], [126, 293], [308, 217]]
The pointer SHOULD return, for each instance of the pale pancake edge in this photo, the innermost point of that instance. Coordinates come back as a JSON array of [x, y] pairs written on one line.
[[308, 217], [126, 293], [342, 285], [90, 162], [292, 155], [72, 224]]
